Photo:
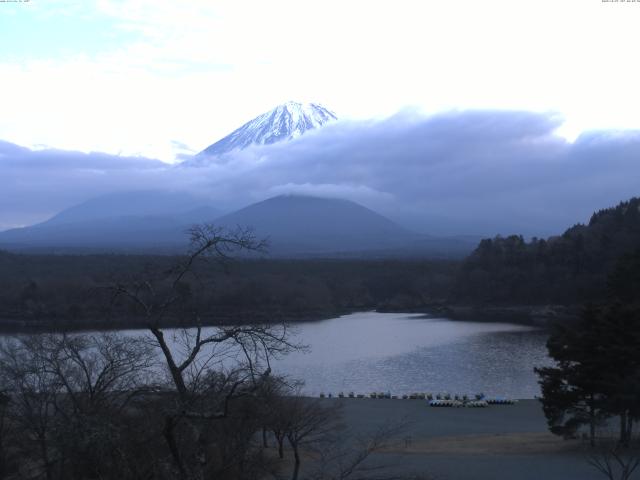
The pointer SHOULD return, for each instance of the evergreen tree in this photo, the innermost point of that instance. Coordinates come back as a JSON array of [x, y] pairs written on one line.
[[619, 331], [597, 371], [568, 269], [572, 390]]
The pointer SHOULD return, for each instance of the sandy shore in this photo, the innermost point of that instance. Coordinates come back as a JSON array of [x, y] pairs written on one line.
[[497, 442], [488, 444]]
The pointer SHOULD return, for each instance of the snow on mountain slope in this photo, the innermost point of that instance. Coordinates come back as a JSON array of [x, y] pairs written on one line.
[[286, 121]]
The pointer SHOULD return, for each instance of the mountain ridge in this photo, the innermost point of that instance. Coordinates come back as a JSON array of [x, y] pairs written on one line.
[[140, 203], [298, 226]]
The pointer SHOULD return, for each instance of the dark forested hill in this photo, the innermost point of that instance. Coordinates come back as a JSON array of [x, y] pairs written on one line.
[[571, 268], [68, 291]]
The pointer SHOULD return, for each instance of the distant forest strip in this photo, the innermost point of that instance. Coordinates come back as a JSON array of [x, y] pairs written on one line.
[[57, 292], [62, 292]]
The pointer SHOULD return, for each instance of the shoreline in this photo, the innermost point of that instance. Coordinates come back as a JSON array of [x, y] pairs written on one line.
[[540, 316], [11, 326]]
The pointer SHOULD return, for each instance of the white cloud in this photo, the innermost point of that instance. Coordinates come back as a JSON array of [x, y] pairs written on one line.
[[467, 172], [196, 70], [354, 192]]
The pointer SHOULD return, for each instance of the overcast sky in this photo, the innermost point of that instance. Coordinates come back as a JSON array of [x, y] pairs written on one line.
[[515, 116], [469, 172], [157, 78]]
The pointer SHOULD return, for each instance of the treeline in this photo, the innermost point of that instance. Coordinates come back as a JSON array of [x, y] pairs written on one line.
[[64, 292], [569, 269]]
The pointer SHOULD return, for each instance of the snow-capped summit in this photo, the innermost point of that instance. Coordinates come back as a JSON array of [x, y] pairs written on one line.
[[286, 121]]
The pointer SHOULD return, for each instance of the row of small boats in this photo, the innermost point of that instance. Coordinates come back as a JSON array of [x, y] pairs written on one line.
[[478, 403], [458, 403], [437, 400]]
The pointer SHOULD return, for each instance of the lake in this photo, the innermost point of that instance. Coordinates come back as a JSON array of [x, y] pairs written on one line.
[[404, 353]]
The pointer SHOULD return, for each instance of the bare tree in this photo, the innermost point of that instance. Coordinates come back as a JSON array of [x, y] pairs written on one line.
[[67, 399], [4, 434], [615, 463], [306, 424], [349, 457], [96, 372], [278, 422], [208, 367], [32, 397]]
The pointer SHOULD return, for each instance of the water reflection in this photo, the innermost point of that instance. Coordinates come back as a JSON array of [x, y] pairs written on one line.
[[402, 353]]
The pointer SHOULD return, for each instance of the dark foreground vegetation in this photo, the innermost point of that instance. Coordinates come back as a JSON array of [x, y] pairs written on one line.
[[189, 404], [110, 407], [596, 377]]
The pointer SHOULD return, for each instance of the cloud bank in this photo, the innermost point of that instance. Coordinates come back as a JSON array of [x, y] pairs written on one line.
[[467, 172]]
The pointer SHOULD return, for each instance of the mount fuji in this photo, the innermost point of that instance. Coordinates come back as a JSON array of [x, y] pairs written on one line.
[[285, 122]]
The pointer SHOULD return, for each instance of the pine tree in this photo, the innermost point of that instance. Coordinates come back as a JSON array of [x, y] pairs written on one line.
[[597, 371], [572, 390]]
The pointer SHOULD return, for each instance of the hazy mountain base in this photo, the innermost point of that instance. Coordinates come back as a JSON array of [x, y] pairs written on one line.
[[296, 227]]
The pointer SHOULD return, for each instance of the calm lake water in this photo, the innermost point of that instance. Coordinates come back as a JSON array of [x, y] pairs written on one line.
[[403, 353]]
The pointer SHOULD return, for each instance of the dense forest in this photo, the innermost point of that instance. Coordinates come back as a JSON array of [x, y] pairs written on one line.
[[74, 291], [568, 269]]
